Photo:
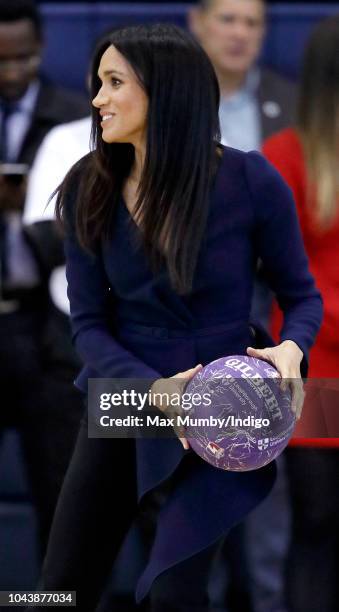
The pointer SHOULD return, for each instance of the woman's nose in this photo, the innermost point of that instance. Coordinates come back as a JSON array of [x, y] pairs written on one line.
[[100, 99]]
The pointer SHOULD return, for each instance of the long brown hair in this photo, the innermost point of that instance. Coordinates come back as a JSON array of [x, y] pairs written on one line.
[[318, 118], [181, 159]]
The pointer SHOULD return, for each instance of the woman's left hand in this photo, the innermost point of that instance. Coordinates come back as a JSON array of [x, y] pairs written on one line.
[[286, 358]]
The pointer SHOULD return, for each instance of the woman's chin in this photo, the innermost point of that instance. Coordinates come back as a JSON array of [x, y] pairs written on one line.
[[112, 138], [108, 138]]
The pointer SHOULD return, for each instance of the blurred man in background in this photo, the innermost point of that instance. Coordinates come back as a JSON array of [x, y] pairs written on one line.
[[255, 102], [37, 395]]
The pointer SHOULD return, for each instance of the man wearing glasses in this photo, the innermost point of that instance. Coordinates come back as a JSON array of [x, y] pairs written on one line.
[[29, 105]]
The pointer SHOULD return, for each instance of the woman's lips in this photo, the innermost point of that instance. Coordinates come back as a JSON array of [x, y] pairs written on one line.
[[106, 119]]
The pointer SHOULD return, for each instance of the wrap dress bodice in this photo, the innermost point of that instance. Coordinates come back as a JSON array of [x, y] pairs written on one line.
[[128, 322]]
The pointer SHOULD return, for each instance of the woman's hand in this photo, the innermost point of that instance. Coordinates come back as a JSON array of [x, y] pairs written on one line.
[[165, 387], [286, 358]]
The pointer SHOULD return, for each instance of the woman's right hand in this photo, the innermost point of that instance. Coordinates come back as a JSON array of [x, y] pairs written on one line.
[[165, 387]]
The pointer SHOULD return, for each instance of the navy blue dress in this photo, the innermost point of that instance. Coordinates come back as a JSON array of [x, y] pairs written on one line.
[[129, 323]]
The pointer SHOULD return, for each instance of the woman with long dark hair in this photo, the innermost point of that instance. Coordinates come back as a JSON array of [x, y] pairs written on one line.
[[307, 155], [163, 230]]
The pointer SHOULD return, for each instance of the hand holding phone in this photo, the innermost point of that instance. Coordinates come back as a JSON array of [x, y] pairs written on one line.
[[13, 184]]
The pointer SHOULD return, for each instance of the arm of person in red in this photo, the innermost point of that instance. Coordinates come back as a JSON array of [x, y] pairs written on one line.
[[284, 150]]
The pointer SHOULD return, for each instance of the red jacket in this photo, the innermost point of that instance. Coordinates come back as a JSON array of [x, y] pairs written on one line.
[[284, 150]]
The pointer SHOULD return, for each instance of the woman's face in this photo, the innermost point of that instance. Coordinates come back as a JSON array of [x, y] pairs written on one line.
[[121, 100]]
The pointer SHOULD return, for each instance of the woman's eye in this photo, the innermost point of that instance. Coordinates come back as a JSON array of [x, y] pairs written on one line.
[[115, 82]]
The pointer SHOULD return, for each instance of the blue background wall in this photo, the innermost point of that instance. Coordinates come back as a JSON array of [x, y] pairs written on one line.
[[71, 30]]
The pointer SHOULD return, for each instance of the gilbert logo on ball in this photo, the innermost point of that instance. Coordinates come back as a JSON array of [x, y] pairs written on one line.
[[248, 421]]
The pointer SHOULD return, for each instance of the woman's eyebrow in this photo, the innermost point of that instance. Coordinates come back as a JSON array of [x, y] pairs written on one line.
[[108, 72]]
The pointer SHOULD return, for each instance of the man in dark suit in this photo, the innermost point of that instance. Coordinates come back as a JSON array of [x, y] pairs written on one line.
[[37, 393], [255, 103]]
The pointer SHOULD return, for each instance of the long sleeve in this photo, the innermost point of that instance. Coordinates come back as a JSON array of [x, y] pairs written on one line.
[[89, 294], [280, 245]]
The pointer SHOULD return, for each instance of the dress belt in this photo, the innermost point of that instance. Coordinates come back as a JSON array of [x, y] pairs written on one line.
[[165, 332]]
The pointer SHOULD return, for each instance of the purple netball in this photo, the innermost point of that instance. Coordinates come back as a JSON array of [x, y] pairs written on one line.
[[239, 418]]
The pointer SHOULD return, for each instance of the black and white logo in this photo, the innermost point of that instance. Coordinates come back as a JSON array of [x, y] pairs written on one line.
[[263, 444]]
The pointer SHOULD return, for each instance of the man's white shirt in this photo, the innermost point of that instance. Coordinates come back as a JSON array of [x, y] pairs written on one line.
[[63, 146]]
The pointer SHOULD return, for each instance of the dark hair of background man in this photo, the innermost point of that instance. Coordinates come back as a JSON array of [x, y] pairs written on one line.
[[11, 11]]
